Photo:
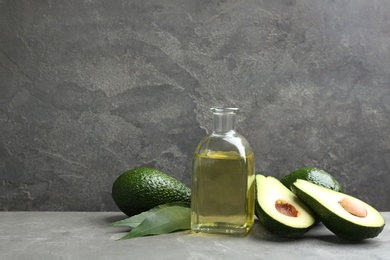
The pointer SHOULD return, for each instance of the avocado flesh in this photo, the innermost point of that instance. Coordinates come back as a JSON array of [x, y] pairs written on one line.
[[326, 204], [269, 191]]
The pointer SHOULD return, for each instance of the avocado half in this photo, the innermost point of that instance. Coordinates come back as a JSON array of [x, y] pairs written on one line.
[[344, 215], [279, 210]]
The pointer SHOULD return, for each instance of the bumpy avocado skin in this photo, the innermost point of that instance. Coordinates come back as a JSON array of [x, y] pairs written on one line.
[[313, 175], [141, 189]]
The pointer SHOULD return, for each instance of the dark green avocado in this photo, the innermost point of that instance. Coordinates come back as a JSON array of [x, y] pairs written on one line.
[[344, 215]]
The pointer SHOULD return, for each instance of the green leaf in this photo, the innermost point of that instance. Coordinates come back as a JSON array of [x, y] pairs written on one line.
[[162, 220], [137, 219], [132, 221]]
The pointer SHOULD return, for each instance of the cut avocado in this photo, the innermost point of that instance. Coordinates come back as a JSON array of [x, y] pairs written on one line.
[[313, 175], [279, 210], [344, 215]]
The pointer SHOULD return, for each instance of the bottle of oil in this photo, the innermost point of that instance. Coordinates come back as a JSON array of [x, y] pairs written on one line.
[[223, 174]]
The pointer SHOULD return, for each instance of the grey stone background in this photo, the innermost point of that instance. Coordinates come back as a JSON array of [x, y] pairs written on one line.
[[90, 89]]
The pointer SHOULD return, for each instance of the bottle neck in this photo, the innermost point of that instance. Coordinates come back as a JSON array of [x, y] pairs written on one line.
[[224, 120]]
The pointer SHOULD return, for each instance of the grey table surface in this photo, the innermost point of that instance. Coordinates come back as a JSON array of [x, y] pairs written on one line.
[[86, 235]]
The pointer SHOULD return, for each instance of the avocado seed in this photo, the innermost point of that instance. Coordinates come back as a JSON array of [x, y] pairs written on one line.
[[354, 207], [286, 208]]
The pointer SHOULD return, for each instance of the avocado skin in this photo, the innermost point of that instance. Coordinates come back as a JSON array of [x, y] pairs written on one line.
[[141, 189], [313, 175], [276, 227], [340, 227]]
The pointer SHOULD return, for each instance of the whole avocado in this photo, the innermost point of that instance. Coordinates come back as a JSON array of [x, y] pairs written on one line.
[[313, 175], [141, 189]]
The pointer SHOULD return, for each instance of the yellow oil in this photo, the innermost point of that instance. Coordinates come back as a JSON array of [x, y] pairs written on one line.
[[222, 193]]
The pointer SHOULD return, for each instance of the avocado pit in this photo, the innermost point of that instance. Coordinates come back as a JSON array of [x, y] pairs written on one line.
[[354, 207], [286, 208]]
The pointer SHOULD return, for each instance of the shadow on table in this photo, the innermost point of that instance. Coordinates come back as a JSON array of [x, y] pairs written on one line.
[[318, 232], [114, 218], [118, 232]]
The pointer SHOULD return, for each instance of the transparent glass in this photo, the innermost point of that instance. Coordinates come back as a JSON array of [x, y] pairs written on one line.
[[223, 174]]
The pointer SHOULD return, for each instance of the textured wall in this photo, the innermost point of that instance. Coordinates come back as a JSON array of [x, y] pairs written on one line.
[[89, 89]]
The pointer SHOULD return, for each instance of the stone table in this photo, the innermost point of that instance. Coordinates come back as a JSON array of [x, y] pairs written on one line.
[[86, 235]]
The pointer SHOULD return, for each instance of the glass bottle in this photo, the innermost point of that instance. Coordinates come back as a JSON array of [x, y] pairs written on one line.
[[223, 174]]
